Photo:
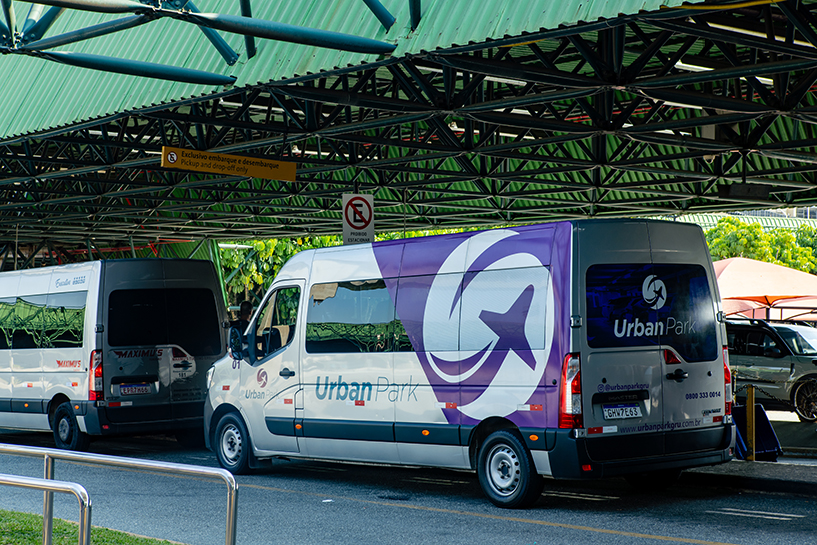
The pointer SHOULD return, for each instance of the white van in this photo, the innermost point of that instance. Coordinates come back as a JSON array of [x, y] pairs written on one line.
[[109, 347], [580, 349]]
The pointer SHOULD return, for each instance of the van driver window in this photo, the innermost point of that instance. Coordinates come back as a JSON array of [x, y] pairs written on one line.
[[276, 324]]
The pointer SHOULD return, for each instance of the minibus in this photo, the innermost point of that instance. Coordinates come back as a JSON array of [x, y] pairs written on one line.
[[109, 347], [569, 350]]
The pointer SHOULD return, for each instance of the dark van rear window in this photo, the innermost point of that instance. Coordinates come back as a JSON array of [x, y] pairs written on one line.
[[150, 317], [651, 304]]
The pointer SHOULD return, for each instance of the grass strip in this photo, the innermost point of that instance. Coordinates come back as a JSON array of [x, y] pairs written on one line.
[[27, 529]]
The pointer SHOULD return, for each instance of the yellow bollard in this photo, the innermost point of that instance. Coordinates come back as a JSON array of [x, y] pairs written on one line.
[[750, 423]]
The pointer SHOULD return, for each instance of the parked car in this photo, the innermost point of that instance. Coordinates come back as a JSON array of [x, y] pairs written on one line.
[[780, 359]]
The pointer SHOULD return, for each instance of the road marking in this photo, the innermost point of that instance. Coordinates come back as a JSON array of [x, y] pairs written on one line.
[[672, 539], [755, 514]]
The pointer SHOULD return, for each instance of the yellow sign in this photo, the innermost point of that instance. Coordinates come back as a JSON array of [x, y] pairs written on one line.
[[219, 163]]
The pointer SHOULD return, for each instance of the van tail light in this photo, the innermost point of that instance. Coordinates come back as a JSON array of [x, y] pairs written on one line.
[[95, 389], [727, 381], [570, 393]]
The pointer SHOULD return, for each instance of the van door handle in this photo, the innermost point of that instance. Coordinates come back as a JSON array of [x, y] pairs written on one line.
[[678, 376], [286, 373]]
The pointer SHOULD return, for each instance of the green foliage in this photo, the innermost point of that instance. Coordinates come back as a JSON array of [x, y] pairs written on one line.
[[258, 264], [26, 529], [806, 237], [734, 238]]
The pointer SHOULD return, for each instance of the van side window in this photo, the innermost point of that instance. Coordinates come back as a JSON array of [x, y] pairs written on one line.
[[6, 321], [349, 317], [505, 307], [63, 318], [440, 326], [28, 321], [276, 324], [40, 321]]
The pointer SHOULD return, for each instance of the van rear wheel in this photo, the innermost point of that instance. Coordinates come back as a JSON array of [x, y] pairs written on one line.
[[506, 471], [67, 434], [233, 444]]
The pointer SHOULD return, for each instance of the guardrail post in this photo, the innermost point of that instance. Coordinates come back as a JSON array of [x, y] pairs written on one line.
[[77, 490], [750, 423], [48, 501], [50, 455], [232, 515]]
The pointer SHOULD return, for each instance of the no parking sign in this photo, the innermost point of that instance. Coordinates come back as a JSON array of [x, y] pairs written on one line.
[[358, 218]]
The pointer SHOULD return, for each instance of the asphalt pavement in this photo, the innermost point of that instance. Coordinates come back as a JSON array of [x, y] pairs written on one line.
[[794, 472]]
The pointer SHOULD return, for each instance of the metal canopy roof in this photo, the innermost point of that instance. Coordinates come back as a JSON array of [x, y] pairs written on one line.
[[514, 113]]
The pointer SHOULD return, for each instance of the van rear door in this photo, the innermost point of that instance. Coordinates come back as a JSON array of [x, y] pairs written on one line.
[[620, 357], [162, 332], [692, 340]]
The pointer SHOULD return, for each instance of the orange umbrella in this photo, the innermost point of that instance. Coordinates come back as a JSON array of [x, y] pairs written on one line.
[[747, 285]]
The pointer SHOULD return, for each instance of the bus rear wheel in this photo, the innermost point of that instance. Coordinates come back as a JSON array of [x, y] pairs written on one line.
[[67, 434], [506, 471]]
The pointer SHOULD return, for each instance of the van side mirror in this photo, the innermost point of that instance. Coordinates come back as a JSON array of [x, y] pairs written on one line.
[[236, 344]]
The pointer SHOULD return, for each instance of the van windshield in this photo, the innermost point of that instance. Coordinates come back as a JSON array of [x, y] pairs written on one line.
[[154, 317], [650, 304]]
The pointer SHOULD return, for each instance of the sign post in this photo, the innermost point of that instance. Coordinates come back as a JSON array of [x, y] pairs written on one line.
[[358, 218]]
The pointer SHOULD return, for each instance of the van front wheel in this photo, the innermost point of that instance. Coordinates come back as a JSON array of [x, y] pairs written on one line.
[[506, 471], [67, 434], [233, 444]]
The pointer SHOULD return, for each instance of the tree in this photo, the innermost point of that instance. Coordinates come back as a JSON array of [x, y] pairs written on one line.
[[806, 237], [250, 266], [734, 238]]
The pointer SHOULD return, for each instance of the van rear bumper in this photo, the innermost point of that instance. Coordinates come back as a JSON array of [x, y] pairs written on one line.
[[627, 454], [97, 422]]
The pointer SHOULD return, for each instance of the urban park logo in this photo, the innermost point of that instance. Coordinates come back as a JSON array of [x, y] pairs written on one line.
[[503, 308], [654, 292], [261, 377]]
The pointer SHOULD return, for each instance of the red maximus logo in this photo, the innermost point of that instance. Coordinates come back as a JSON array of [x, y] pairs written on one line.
[[75, 364]]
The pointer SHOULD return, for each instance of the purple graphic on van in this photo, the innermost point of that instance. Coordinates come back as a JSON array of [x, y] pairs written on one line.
[[487, 316]]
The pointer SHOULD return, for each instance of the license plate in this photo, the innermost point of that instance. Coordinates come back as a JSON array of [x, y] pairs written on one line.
[[134, 389], [621, 410]]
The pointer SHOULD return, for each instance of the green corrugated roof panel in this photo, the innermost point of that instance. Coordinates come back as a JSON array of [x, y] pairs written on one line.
[[708, 221], [39, 95]]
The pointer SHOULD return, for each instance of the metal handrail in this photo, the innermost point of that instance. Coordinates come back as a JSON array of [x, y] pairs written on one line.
[[50, 455], [49, 486]]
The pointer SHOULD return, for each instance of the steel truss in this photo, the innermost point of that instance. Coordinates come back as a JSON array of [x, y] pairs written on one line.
[[672, 112]]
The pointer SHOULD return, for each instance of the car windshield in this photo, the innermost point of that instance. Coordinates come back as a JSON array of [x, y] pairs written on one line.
[[802, 341]]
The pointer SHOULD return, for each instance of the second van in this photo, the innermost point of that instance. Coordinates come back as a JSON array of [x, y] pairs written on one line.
[[581, 349]]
